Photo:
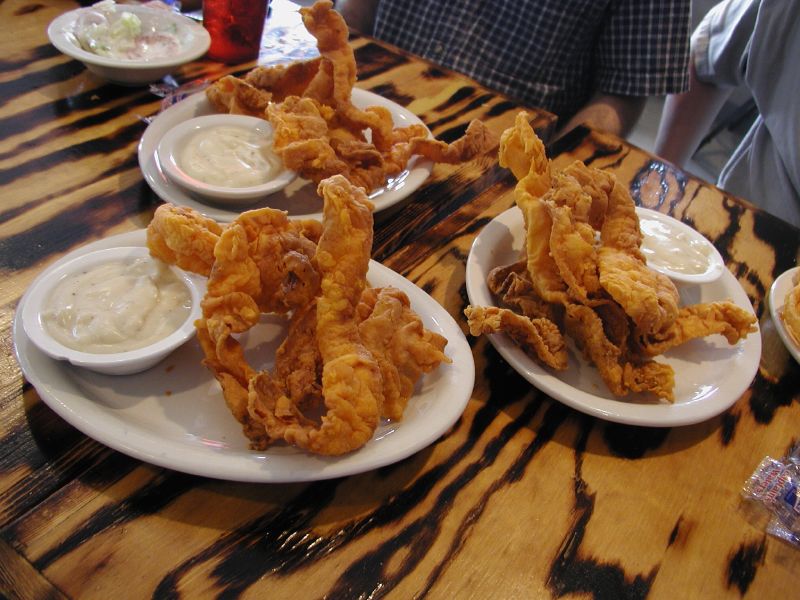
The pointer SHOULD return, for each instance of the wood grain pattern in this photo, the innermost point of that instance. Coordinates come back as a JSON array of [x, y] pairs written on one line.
[[523, 497]]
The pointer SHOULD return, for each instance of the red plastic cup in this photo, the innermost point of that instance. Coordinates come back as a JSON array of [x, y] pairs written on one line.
[[235, 27]]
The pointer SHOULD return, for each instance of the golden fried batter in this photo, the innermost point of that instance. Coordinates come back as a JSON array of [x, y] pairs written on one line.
[[539, 338], [404, 349], [319, 132], [583, 271], [701, 320], [183, 237], [620, 375]]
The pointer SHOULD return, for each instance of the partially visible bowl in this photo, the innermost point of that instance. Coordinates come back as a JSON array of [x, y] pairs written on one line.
[[188, 41], [225, 158], [777, 301], [676, 250], [41, 316]]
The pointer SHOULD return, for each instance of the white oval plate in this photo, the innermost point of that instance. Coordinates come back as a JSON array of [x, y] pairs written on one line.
[[777, 296], [710, 375], [715, 263], [300, 198], [174, 415]]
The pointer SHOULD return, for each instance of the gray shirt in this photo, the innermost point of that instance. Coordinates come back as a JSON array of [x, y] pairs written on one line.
[[756, 43]]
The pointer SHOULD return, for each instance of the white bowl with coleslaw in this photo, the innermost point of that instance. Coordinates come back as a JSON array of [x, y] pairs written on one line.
[[129, 44], [227, 159], [116, 311]]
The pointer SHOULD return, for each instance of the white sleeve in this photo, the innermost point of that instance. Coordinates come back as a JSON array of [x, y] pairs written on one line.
[[721, 42]]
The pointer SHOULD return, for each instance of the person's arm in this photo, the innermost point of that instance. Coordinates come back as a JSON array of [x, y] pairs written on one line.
[[687, 118], [358, 14], [608, 112]]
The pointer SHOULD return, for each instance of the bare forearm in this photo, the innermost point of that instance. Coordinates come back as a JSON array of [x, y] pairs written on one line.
[[686, 118], [358, 14], [609, 113]]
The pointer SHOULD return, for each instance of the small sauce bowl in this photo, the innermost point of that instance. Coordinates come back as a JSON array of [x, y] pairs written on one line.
[[674, 249], [37, 298], [197, 153], [193, 40]]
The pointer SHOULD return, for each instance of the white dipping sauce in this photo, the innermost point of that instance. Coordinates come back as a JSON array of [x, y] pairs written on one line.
[[117, 306], [229, 156], [670, 248]]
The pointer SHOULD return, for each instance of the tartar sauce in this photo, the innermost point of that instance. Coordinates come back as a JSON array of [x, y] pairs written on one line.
[[673, 249], [229, 156], [117, 306]]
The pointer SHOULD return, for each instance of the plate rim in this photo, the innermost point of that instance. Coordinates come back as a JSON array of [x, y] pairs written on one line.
[[416, 173], [252, 466], [618, 411]]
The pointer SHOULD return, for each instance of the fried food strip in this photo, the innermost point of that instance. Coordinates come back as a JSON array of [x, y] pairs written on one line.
[[261, 263], [301, 138], [476, 140], [278, 401], [523, 152], [591, 205], [224, 357], [352, 385], [511, 284], [573, 250], [183, 237], [650, 299], [238, 97], [282, 81], [701, 320], [334, 82], [404, 349], [298, 363], [621, 376], [539, 338]]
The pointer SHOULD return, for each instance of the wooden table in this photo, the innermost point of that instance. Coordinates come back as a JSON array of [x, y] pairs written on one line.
[[522, 498]]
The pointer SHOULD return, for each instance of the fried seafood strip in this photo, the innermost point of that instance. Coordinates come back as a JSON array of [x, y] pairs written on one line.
[[649, 298], [591, 204], [619, 374], [334, 81], [224, 357], [523, 152], [352, 385], [476, 141], [701, 320], [183, 237], [301, 139], [354, 353], [278, 400], [573, 251], [262, 263], [404, 349], [512, 285], [238, 97], [282, 81], [539, 338]]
